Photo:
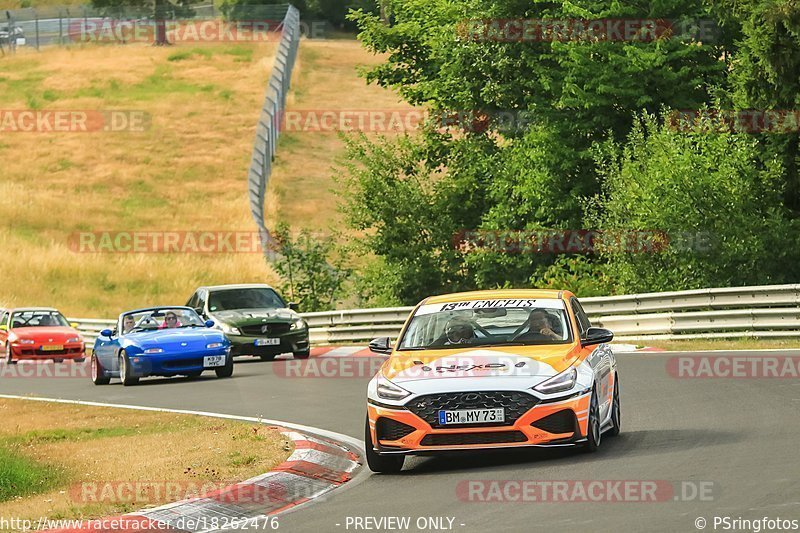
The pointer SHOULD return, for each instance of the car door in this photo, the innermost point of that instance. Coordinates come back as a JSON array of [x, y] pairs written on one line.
[[105, 349], [602, 361]]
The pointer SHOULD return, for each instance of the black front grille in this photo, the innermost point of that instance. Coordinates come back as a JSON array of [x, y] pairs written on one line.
[[271, 329], [515, 405], [486, 437], [561, 422], [389, 429]]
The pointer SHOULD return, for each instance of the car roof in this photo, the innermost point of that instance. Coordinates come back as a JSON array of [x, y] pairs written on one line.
[[495, 294], [21, 309], [212, 288]]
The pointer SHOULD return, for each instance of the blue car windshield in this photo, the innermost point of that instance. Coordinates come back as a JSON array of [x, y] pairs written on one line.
[[163, 318]]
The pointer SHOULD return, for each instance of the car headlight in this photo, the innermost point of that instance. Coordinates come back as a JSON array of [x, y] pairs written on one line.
[[73, 339], [213, 345], [389, 391], [229, 329], [26, 341], [153, 350], [559, 383], [299, 324]]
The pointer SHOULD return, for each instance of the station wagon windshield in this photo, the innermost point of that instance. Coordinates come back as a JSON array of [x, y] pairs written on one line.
[[257, 298]]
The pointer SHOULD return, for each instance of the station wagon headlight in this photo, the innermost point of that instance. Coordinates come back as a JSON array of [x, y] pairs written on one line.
[[213, 345], [558, 383], [299, 324], [389, 391], [153, 350]]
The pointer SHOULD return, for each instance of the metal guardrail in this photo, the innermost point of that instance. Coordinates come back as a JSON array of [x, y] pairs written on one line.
[[268, 128], [765, 311]]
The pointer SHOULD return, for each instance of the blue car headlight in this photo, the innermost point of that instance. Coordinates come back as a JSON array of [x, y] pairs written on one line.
[[213, 345], [153, 350]]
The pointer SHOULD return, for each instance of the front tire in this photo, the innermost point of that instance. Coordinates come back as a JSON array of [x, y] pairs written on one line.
[[227, 370], [125, 370], [98, 376], [594, 432], [616, 412], [9, 355], [302, 355], [382, 464]]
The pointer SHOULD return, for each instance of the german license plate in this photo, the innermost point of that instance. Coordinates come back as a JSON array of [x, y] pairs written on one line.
[[471, 416], [52, 347], [214, 360], [267, 342]]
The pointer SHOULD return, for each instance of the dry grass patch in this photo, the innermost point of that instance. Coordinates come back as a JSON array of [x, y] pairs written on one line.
[[89, 451], [302, 185], [187, 172]]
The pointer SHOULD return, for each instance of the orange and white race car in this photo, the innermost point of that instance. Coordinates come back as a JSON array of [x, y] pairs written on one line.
[[492, 369]]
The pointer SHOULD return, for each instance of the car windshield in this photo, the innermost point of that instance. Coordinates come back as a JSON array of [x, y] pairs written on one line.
[[162, 318], [258, 298], [29, 319], [487, 323]]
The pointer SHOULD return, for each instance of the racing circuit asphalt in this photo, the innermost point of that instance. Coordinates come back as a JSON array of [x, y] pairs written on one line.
[[741, 434]]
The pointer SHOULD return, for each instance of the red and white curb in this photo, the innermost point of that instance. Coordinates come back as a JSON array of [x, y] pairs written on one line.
[[315, 468], [319, 464]]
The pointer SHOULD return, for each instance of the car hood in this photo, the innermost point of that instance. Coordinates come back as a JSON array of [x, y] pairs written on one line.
[[45, 333], [525, 362], [168, 338], [244, 317]]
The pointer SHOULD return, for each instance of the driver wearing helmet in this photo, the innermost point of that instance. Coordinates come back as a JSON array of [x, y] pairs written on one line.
[[458, 331]]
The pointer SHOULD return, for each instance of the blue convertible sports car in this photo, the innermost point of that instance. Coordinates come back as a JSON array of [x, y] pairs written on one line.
[[160, 341]]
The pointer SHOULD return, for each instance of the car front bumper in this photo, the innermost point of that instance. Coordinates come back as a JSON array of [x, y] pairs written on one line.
[[547, 424], [173, 364], [35, 351], [290, 342]]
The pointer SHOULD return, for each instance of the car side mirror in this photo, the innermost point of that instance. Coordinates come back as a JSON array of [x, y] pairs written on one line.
[[380, 345], [3, 328], [596, 336], [74, 324], [106, 333], [209, 323], [294, 306]]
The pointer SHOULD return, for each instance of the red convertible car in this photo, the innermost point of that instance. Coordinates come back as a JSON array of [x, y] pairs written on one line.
[[39, 333]]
